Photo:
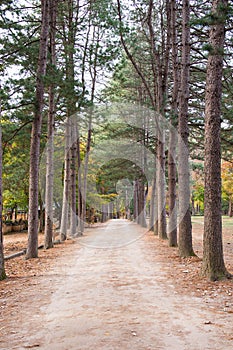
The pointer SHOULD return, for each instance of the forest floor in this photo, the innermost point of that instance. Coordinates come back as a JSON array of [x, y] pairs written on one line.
[[117, 287]]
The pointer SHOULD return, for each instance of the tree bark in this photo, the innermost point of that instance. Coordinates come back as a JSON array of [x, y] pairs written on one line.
[[161, 187], [141, 203], [70, 111], [2, 267], [32, 248], [93, 74], [172, 222], [48, 242], [156, 230], [152, 206], [160, 74], [213, 265], [135, 200], [156, 226], [66, 185], [79, 182], [48, 239], [69, 38], [85, 173], [73, 152], [185, 225]]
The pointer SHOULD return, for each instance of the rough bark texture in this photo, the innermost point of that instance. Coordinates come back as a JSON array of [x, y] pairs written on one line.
[[70, 110], [213, 262], [160, 74], [141, 204], [161, 186], [172, 223], [2, 268], [156, 226], [73, 152], [69, 38], [185, 226], [152, 207], [32, 249], [93, 74], [48, 243], [135, 200], [79, 182], [66, 186]]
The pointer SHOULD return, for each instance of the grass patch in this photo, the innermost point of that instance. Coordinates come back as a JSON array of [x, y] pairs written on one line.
[[226, 221]]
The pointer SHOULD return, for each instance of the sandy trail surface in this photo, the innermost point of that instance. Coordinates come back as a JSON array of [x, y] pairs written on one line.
[[108, 292]]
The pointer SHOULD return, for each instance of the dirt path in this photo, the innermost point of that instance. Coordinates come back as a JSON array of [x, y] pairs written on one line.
[[110, 294]]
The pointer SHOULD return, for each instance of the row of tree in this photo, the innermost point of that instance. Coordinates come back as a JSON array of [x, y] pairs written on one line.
[[165, 64], [181, 82]]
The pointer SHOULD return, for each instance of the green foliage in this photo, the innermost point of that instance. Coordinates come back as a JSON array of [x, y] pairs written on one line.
[[212, 50], [227, 180], [208, 17], [198, 194], [15, 166], [99, 53]]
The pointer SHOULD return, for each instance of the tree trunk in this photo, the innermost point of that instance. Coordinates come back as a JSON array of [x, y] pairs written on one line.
[[69, 39], [2, 267], [135, 200], [79, 183], [141, 204], [41, 216], [48, 241], [160, 73], [73, 152], [70, 111], [66, 186], [104, 213], [152, 206], [93, 73], [156, 226], [172, 223], [85, 173], [185, 225], [161, 187], [32, 248], [213, 265]]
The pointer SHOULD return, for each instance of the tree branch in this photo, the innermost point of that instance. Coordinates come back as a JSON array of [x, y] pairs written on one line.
[[129, 55], [15, 133]]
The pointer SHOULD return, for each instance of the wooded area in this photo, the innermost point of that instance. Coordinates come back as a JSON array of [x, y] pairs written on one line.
[[117, 109]]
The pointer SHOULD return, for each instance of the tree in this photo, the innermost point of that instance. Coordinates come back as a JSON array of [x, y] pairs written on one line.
[[73, 168], [32, 248], [66, 182], [172, 177], [213, 265], [153, 48], [2, 269], [51, 121], [185, 226], [83, 182], [69, 19]]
